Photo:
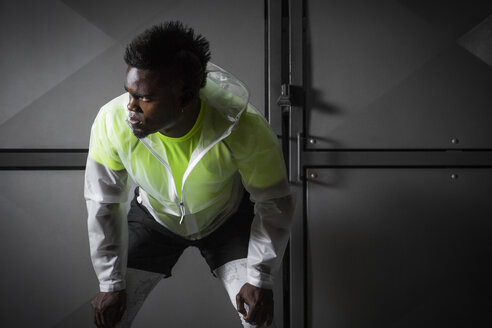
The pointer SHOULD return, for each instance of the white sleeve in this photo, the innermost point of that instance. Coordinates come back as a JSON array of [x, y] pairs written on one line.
[[270, 233], [106, 192]]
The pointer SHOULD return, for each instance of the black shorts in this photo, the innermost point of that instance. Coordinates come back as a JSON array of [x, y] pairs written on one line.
[[152, 247]]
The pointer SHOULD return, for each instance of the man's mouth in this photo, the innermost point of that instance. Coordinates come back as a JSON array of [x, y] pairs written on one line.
[[133, 119]]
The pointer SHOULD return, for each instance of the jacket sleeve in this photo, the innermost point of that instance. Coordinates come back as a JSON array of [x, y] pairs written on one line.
[[106, 192], [261, 165], [270, 233]]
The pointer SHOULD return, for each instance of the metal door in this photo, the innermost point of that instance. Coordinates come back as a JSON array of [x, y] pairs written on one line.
[[386, 108]]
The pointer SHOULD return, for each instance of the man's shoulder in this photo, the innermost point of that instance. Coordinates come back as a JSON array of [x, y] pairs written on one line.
[[110, 123], [252, 132], [112, 114], [252, 122], [115, 107]]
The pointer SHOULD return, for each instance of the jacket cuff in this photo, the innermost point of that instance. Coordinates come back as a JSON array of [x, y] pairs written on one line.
[[259, 279], [112, 287]]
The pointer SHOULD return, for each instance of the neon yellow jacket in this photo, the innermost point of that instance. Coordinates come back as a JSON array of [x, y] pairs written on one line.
[[236, 149]]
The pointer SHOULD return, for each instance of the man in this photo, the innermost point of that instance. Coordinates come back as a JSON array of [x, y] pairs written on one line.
[[186, 135]]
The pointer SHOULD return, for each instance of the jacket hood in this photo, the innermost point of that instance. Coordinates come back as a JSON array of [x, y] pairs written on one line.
[[225, 92]]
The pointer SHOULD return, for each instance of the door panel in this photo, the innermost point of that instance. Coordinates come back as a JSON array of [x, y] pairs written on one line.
[[387, 233], [406, 247], [397, 74]]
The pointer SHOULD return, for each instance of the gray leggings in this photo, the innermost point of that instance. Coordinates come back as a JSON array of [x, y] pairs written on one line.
[[140, 283]]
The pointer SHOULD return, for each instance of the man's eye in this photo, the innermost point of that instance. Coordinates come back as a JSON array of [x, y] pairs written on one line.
[[145, 99]]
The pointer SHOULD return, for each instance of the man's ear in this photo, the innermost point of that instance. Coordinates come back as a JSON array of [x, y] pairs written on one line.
[[186, 97]]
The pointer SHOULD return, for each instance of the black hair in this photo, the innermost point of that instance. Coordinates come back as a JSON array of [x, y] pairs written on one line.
[[171, 45]]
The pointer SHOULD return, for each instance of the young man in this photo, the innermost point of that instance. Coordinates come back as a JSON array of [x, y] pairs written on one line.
[[186, 135]]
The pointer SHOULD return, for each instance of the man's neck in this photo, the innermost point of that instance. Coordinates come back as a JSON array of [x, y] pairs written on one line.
[[186, 121]]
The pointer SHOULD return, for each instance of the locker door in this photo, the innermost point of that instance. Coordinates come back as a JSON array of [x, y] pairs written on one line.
[[390, 74], [386, 108], [398, 247], [61, 61]]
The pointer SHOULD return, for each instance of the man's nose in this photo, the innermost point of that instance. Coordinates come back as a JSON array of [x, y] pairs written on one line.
[[133, 104]]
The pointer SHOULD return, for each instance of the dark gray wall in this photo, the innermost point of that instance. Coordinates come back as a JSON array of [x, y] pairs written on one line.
[[60, 62], [387, 246], [394, 235]]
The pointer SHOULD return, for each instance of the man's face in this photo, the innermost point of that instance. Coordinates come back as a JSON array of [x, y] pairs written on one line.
[[153, 101]]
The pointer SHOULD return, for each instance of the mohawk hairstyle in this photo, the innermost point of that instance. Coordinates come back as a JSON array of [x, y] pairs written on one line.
[[171, 45]]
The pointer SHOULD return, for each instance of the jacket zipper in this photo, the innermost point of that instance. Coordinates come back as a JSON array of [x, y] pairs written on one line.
[[182, 207], [180, 202]]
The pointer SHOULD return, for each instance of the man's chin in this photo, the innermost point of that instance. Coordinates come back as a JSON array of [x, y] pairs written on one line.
[[140, 134]]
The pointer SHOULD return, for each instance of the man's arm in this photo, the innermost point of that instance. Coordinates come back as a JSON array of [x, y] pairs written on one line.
[[260, 161], [106, 192], [270, 232]]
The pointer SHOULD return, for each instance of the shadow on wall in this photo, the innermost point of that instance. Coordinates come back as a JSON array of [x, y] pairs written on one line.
[[314, 98]]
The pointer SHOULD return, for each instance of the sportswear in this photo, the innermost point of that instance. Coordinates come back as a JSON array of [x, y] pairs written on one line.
[[152, 247], [236, 149]]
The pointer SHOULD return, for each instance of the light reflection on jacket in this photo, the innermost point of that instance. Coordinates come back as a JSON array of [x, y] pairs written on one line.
[[236, 148]]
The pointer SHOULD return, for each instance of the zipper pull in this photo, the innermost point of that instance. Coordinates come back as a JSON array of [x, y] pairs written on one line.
[[182, 208]]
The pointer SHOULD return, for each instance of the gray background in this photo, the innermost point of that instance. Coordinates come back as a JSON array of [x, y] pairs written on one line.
[[392, 239], [60, 62]]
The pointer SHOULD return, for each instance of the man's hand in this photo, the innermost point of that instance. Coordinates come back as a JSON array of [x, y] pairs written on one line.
[[260, 304], [109, 308]]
